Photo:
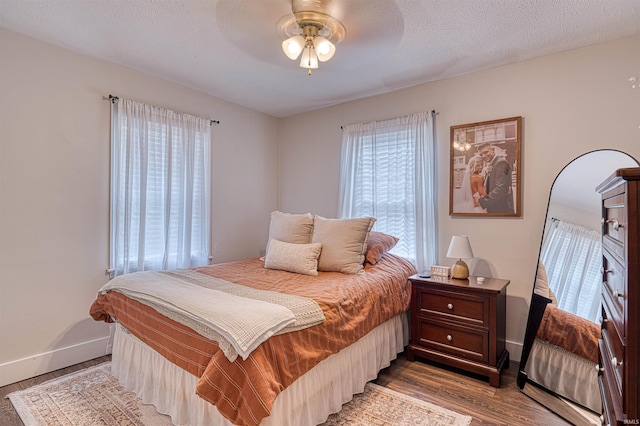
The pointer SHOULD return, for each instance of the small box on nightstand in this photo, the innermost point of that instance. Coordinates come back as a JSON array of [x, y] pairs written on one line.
[[439, 271]]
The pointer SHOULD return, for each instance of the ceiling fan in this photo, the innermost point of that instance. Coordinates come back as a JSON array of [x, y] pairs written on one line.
[[311, 33]]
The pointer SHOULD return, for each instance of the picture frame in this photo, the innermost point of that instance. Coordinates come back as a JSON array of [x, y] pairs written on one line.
[[485, 165]]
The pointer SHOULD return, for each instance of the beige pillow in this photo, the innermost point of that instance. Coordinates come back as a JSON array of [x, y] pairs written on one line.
[[290, 257], [541, 286], [344, 243], [291, 228]]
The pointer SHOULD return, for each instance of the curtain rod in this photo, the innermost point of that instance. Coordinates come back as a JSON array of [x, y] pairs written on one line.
[[433, 111], [114, 99]]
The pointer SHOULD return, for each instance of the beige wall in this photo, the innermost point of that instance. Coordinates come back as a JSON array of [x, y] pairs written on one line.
[[54, 193], [571, 103], [54, 153]]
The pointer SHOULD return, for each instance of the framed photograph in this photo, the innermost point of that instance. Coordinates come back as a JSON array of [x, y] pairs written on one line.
[[485, 168]]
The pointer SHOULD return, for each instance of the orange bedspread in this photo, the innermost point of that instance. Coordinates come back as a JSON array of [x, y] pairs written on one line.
[[570, 332], [244, 391]]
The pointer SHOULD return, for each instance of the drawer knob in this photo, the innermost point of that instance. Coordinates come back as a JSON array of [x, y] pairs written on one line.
[[615, 363], [606, 271], [599, 369], [614, 223], [616, 293], [449, 337], [450, 306]]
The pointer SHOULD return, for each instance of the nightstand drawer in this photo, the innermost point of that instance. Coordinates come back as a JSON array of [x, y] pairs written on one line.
[[462, 308], [463, 342]]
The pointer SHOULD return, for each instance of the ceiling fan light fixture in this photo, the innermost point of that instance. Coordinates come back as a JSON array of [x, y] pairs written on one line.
[[309, 58], [310, 31], [324, 48], [293, 46]]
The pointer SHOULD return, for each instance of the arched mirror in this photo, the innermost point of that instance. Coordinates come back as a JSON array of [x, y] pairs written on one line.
[[559, 356]]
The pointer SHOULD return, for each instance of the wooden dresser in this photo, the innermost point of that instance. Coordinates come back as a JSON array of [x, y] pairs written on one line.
[[619, 346], [460, 323]]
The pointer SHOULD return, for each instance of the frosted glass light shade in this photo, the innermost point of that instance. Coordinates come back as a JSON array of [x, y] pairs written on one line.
[[460, 248], [309, 58], [324, 48], [293, 46]]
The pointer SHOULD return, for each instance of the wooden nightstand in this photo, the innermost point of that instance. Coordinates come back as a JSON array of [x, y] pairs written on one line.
[[460, 323]]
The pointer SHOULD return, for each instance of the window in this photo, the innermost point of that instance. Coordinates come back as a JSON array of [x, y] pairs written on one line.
[[572, 256], [388, 172], [160, 188]]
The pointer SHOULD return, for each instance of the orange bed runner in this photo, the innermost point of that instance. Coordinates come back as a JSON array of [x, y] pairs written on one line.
[[570, 332], [244, 391]]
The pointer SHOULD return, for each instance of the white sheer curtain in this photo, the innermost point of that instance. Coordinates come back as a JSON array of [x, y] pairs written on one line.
[[572, 256], [388, 171], [160, 188]]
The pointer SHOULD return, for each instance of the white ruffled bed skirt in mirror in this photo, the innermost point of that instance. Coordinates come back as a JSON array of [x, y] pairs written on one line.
[[564, 373]]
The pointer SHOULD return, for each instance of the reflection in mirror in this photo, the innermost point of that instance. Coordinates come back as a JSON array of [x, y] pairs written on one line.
[[559, 357]]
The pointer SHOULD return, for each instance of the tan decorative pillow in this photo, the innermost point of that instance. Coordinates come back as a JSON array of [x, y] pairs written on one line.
[[541, 286], [344, 243], [378, 244], [290, 257], [291, 228]]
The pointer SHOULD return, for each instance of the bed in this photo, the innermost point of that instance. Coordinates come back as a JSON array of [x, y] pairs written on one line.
[[564, 355], [293, 377]]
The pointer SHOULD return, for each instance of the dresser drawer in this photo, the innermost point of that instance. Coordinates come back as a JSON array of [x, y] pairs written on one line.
[[614, 216], [460, 308], [608, 413], [460, 341], [614, 290], [609, 390], [612, 359]]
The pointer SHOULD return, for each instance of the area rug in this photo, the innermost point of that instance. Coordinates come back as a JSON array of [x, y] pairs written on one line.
[[93, 397], [379, 406], [88, 397]]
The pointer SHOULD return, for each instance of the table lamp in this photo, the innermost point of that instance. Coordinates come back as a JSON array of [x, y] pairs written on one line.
[[460, 248]]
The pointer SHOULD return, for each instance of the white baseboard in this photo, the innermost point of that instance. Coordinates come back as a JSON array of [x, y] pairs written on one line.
[[515, 351], [25, 368]]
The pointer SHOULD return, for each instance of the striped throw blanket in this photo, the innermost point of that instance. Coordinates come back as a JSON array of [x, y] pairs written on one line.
[[238, 318]]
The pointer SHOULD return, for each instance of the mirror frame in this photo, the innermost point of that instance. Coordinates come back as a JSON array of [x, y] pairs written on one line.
[[538, 305]]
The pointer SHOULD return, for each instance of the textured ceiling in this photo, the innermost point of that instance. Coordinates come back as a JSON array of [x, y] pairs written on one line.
[[231, 48]]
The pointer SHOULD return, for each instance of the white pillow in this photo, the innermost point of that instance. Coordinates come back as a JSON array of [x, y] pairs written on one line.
[[290, 257], [291, 228], [344, 243]]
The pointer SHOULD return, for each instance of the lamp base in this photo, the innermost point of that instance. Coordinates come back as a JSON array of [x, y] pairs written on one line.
[[460, 270]]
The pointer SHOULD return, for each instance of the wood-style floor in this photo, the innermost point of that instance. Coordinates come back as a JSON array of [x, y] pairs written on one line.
[[452, 389]]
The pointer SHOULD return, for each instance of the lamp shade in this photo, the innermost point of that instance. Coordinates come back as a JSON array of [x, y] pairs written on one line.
[[324, 48], [460, 248], [292, 47], [309, 58]]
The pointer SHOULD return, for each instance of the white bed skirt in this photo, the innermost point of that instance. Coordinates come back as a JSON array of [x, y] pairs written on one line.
[[308, 401], [564, 373]]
